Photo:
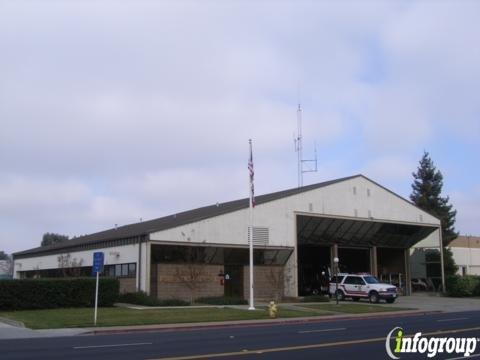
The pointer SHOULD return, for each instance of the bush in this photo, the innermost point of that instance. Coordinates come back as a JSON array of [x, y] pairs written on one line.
[[463, 286], [315, 298], [174, 302], [141, 298], [56, 293], [221, 300], [476, 291]]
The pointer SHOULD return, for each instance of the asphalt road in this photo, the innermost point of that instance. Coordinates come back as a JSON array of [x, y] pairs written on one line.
[[340, 339]]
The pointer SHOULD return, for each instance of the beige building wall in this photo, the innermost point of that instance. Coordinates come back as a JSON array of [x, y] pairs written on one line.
[[268, 282], [466, 253], [173, 280], [127, 285]]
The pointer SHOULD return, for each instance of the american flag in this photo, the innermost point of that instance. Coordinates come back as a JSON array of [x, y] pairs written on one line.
[[252, 173]]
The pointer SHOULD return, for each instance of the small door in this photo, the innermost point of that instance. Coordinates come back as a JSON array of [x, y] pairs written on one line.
[[233, 284]]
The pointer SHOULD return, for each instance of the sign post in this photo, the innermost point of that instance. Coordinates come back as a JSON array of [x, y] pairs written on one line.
[[98, 259]]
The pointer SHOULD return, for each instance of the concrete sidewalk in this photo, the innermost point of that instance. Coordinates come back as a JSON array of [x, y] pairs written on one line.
[[435, 302], [15, 331]]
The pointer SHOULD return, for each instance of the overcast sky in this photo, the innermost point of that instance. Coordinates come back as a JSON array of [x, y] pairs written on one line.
[[112, 111]]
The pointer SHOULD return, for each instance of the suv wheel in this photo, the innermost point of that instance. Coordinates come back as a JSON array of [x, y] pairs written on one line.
[[340, 295], [390, 301], [373, 297]]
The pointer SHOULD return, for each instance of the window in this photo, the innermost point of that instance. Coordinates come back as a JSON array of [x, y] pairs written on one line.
[[110, 271], [354, 280], [370, 280], [334, 279], [121, 270], [124, 270], [132, 270]]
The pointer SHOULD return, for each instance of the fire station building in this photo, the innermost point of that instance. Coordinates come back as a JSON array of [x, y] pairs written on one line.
[[296, 235]]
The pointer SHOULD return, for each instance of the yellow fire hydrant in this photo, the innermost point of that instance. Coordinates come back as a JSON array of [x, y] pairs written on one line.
[[272, 309]]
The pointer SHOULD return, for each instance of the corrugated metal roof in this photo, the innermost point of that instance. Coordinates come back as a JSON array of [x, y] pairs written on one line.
[[175, 220]]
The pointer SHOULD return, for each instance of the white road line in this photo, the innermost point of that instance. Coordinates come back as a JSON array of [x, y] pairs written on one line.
[[465, 357], [320, 330], [452, 319], [106, 346]]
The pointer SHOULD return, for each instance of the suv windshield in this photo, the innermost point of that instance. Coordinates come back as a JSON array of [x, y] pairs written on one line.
[[370, 280]]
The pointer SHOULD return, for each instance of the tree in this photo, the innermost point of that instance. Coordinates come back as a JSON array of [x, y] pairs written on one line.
[[426, 194], [191, 273], [70, 266], [275, 278], [6, 264], [448, 262], [52, 238]]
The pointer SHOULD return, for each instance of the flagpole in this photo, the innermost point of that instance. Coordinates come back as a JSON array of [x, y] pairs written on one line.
[[250, 165]]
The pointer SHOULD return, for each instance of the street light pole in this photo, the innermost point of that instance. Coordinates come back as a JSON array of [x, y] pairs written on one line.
[[335, 260]]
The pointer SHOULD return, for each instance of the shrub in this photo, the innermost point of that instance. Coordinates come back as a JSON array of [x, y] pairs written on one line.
[[462, 286], [141, 298], [315, 298], [221, 300], [56, 293], [138, 298], [174, 302]]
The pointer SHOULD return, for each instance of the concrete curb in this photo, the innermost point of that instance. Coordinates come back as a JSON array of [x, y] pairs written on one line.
[[249, 323], [12, 322]]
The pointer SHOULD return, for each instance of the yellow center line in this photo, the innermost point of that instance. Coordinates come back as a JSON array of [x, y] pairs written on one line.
[[306, 347]]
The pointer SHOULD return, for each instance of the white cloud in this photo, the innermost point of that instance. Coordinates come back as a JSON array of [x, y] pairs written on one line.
[[111, 111]]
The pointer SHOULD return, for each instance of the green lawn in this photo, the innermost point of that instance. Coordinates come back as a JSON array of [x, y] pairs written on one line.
[[354, 308], [83, 317]]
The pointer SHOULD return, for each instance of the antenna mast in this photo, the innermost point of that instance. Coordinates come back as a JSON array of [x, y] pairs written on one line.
[[299, 150]]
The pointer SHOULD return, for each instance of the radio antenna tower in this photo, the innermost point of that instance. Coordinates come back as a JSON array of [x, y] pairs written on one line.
[[304, 165]]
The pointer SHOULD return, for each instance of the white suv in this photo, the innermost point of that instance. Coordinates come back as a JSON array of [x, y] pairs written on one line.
[[362, 286]]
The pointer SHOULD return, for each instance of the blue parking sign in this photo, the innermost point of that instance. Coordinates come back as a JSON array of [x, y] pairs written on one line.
[[98, 258]]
